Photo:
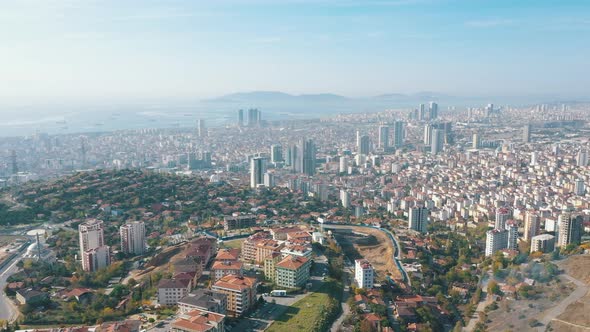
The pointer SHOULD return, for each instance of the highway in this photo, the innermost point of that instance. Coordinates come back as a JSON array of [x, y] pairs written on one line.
[[8, 310]]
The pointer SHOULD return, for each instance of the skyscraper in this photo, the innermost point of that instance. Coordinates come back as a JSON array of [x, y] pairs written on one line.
[[276, 153], [418, 219], [240, 117], [133, 237], [526, 133], [290, 156], [358, 141], [433, 109], [345, 198], [438, 137], [257, 170], [94, 254], [398, 133], [305, 155], [569, 229], [421, 112], [254, 117], [512, 228], [532, 225], [496, 239], [502, 216], [582, 158], [343, 165], [476, 141], [383, 137], [201, 130], [428, 134], [269, 180], [580, 187], [365, 145]]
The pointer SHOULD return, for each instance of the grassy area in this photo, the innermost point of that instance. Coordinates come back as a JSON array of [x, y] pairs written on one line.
[[233, 244], [314, 312]]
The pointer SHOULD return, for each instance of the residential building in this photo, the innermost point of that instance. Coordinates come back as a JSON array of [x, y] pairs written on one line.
[[512, 228], [93, 252], [502, 216], [257, 170], [238, 221], [437, 141], [418, 219], [292, 272], [199, 321], [270, 263], [31, 297], [569, 229], [383, 137], [532, 225], [526, 133], [201, 130], [398, 134], [364, 274], [496, 239], [240, 291], [223, 268], [96, 258], [170, 291], [364, 146], [305, 158], [133, 237], [276, 153], [204, 299], [543, 243], [203, 249]]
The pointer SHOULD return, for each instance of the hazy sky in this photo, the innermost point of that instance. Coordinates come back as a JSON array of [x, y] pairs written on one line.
[[124, 49]]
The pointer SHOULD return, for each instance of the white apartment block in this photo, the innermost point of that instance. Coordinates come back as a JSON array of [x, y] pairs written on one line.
[[364, 274]]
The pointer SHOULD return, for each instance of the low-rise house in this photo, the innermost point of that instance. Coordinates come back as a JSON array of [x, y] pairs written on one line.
[[31, 297], [199, 321], [82, 295], [124, 326], [204, 299]]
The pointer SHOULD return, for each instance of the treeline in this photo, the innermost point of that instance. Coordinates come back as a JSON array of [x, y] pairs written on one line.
[[10, 216]]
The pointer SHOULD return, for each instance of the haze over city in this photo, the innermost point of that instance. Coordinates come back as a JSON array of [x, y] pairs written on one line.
[[119, 51], [294, 166]]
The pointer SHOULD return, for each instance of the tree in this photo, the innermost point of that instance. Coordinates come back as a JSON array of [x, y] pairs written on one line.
[[493, 288]]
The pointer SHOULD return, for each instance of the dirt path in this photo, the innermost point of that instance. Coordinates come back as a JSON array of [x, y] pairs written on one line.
[[550, 314]]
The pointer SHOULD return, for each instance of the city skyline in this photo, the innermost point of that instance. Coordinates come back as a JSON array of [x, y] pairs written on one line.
[[63, 50]]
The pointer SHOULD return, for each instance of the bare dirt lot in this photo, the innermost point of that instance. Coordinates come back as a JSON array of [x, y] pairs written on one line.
[[515, 315], [379, 252], [576, 316], [577, 267]]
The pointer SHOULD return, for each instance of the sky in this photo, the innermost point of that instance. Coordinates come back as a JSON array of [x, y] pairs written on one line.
[[146, 49]]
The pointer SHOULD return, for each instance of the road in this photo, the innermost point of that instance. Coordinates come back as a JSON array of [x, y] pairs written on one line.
[[8, 310], [483, 301], [345, 307], [550, 314]]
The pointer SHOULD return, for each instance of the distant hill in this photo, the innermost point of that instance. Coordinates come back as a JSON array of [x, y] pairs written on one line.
[[423, 96], [277, 96]]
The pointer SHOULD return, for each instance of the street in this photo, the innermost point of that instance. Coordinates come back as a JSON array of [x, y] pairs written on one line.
[[8, 310]]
